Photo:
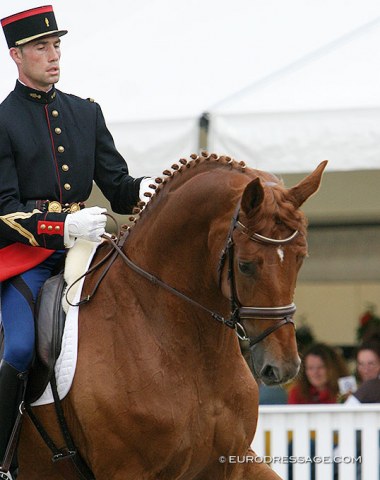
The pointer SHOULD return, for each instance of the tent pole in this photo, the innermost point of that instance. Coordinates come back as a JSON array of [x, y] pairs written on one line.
[[204, 121]]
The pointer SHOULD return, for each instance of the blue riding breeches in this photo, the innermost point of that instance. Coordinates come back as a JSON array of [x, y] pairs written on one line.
[[18, 316]]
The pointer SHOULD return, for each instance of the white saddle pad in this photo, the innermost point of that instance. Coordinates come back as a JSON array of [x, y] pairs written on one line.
[[67, 360]]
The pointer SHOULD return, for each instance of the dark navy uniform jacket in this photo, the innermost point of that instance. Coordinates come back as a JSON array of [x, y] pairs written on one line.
[[52, 146]]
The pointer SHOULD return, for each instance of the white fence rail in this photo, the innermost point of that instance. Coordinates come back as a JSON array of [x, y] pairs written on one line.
[[320, 442]]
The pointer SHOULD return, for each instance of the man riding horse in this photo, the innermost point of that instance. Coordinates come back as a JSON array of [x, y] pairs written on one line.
[[52, 147], [161, 389]]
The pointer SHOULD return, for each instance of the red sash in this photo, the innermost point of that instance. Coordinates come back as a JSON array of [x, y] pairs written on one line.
[[18, 258]]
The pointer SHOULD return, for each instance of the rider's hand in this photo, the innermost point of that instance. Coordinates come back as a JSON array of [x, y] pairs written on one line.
[[88, 224], [146, 192]]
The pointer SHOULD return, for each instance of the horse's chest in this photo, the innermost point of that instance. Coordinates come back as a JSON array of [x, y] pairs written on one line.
[[214, 422]]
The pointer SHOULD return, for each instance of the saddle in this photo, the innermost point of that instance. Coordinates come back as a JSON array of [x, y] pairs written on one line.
[[50, 323]]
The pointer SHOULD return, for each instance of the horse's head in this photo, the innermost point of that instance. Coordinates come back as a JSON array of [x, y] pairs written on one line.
[[264, 252], [258, 266]]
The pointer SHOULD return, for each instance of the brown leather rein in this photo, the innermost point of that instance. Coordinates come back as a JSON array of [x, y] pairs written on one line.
[[284, 314]]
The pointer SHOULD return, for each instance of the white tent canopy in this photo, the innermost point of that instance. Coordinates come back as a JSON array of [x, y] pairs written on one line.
[[156, 65], [326, 105]]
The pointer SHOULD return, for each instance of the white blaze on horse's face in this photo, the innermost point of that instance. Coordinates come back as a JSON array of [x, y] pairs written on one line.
[[281, 254]]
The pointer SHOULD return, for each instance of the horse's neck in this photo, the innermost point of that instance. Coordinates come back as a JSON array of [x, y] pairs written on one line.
[[178, 227], [180, 240]]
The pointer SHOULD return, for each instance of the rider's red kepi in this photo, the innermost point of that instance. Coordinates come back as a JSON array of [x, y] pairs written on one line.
[[29, 25]]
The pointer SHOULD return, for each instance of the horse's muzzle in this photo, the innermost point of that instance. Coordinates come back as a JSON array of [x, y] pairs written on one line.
[[272, 374]]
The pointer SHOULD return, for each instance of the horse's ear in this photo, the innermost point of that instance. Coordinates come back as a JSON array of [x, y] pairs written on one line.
[[308, 186], [253, 196]]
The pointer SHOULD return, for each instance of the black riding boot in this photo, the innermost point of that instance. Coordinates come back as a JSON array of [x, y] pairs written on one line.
[[12, 390]]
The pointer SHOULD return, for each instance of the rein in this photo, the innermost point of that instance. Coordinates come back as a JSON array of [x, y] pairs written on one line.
[[284, 314], [156, 281]]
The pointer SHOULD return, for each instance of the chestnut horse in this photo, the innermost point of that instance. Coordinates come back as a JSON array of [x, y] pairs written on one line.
[[161, 389]]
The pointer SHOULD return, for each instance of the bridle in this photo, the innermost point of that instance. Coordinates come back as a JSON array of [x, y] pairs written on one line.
[[282, 313]]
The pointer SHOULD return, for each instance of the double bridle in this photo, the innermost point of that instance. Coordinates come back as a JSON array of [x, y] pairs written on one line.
[[282, 313]]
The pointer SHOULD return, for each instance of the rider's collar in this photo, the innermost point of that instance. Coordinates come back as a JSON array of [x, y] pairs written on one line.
[[35, 95]]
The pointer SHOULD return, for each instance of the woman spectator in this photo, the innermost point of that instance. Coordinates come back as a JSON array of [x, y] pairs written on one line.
[[318, 379], [368, 359], [368, 371]]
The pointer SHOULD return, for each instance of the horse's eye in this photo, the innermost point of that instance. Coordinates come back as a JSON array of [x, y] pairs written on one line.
[[247, 268]]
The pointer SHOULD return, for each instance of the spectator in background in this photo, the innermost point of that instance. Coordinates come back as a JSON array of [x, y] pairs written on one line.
[[318, 379], [368, 359], [368, 371]]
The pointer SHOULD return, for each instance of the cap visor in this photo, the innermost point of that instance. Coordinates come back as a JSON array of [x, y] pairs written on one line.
[[52, 33]]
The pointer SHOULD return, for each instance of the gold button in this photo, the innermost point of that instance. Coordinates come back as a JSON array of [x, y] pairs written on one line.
[[61, 149], [55, 113], [50, 227], [58, 227], [58, 131], [55, 207], [65, 168], [43, 226], [74, 207], [67, 186]]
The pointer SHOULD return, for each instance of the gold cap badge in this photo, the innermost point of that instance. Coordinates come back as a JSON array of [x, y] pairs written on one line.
[[47, 22]]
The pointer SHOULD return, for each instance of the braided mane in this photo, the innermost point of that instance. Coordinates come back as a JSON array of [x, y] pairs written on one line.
[[195, 161], [277, 209]]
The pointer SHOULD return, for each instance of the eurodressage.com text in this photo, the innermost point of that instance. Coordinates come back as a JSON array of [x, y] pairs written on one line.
[[288, 459]]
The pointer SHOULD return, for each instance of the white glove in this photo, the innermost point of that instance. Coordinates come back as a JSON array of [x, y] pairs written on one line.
[[88, 224], [144, 188]]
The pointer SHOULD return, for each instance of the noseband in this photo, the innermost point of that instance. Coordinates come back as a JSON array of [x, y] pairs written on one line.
[[284, 314]]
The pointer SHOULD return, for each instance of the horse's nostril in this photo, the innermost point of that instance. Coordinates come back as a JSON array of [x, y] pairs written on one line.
[[269, 373]]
